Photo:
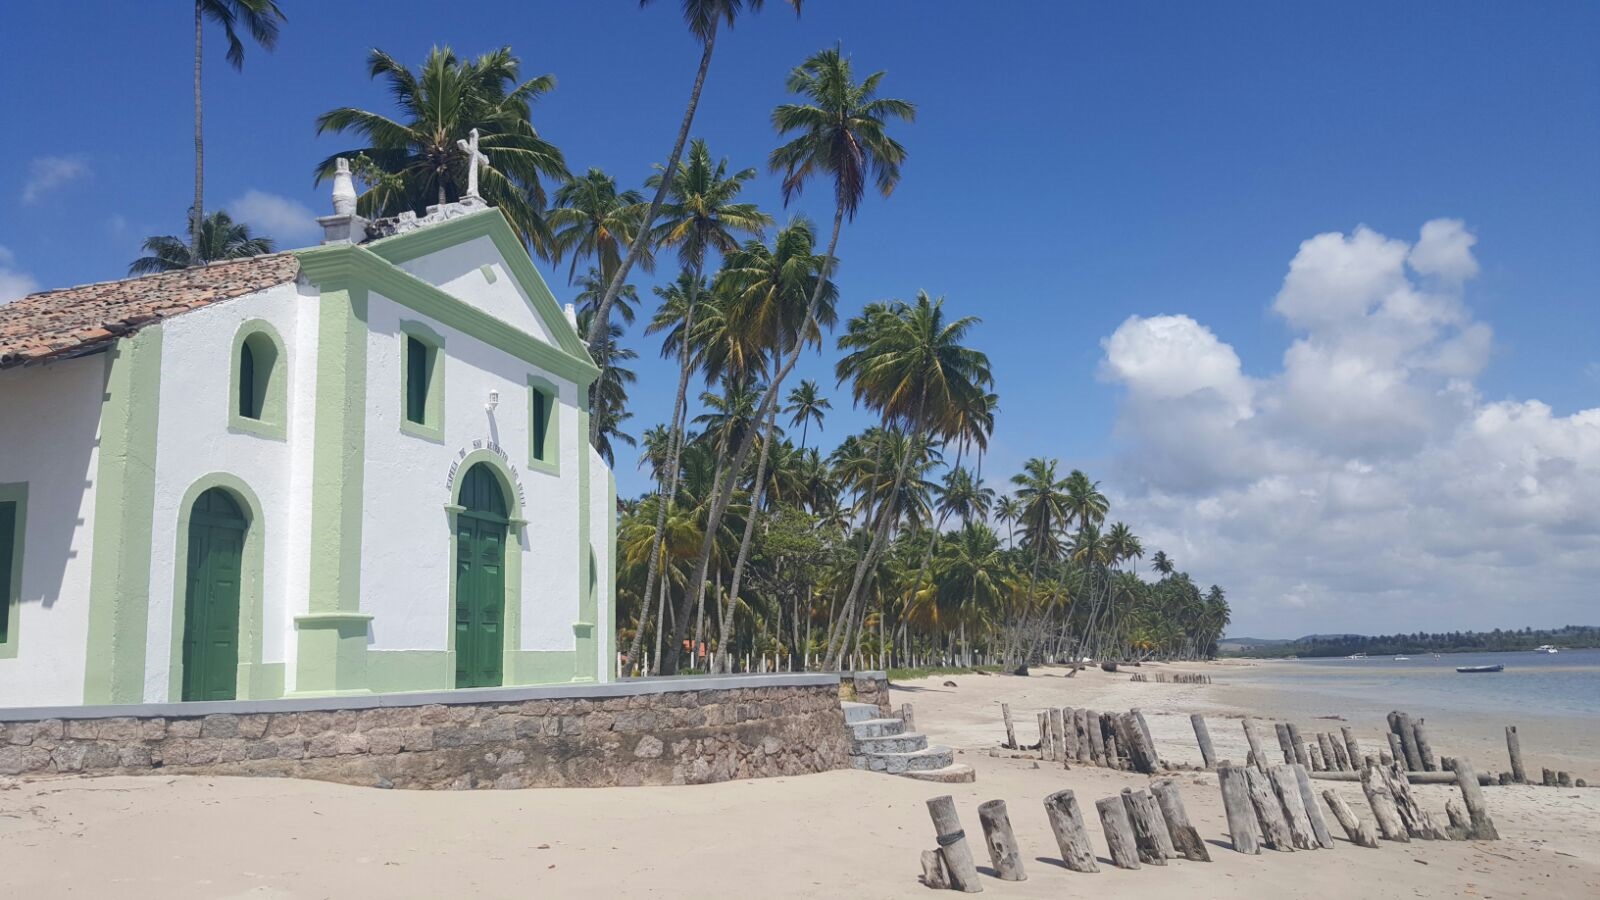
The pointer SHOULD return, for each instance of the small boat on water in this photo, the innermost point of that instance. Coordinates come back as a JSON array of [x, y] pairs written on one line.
[[1402, 659], [1545, 648], [1470, 670]]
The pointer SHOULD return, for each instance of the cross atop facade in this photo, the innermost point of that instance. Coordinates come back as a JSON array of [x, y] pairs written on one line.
[[474, 158]]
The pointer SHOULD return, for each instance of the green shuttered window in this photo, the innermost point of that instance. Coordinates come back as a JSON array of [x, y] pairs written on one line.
[[541, 424], [544, 426], [417, 371], [8, 564]]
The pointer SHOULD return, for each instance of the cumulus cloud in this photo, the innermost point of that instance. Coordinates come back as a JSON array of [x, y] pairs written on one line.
[[46, 173], [1365, 484], [285, 221], [13, 283]]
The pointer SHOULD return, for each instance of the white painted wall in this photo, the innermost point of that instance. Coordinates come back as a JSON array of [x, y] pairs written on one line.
[[49, 421], [405, 573], [458, 271], [601, 513], [193, 440]]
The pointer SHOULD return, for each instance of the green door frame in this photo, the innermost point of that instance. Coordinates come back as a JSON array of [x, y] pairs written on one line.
[[215, 555]]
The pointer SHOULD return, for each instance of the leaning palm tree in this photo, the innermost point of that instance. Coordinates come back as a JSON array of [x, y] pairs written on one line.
[[806, 405], [261, 18], [220, 238], [704, 18], [415, 161], [594, 220], [840, 133]]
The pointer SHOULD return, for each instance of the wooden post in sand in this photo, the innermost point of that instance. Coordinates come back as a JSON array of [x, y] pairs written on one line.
[[1295, 816], [953, 849], [1285, 743], [1481, 827], [1417, 822], [1397, 752], [1255, 742], [1381, 799], [1430, 763], [1066, 820], [1319, 825], [1119, 832], [1269, 812], [1047, 745], [1149, 740], [933, 874], [1352, 749], [1314, 756], [1011, 730], [1069, 735], [1236, 804], [1058, 737], [1402, 725], [1359, 832], [1330, 762], [1185, 839], [1140, 754], [1514, 748], [1002, 841], [1097, 745], [1080, 724], [1202, 735], [1149, 829], [910, 719]]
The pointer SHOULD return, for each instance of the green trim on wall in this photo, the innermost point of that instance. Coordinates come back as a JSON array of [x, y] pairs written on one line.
[[406, 247], [515, 531], [395, 671], [432, 426], [550, 464], [540, 666], [253, 682], [338, 264], [275, 404], [11, 590], [331, 656], [588, 663], [125, 489]]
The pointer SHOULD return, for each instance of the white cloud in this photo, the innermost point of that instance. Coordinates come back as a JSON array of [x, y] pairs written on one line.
[[1365, 485], [285, 221], [13, 283], [47, 173]]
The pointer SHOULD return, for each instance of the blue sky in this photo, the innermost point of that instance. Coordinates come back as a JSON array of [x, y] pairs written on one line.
[[1072, 165]]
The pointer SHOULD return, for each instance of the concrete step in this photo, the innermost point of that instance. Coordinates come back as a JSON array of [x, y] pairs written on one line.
[[955, 773], [907, 742], [859, 712], [901, 763], [872, 728]]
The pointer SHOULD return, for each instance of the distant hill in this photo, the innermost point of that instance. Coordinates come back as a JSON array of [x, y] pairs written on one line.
[[1245, 643], [1567, 637]]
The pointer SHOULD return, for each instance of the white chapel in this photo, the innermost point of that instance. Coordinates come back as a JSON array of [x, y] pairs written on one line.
[[360, 467]]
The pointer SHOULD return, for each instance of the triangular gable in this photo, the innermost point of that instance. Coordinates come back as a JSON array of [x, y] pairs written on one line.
[[404, 249]]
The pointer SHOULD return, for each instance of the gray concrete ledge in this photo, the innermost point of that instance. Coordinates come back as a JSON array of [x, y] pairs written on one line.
[[628, 687]]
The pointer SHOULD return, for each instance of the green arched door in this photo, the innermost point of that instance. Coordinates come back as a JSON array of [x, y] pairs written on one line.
[[211, 597], [480, 579]]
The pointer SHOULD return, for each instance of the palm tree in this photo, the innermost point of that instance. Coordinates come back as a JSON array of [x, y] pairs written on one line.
[[590, 286], [220, 238], [806, 405], [415, 161], [841, 133], [608, 395], [1008, 509], [704, 18], [1084, 500], [965, 497], [906, 362], [261, 18], [593, 220], [1162, 563]]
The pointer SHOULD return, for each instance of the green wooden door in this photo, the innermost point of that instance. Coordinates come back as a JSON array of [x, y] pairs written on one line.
[[480, 580], [211, 598]]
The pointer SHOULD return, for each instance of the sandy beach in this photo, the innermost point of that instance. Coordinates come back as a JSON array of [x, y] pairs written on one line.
[[843, 833]]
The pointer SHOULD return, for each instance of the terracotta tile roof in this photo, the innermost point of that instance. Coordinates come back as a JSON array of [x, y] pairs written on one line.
[[78, 319]]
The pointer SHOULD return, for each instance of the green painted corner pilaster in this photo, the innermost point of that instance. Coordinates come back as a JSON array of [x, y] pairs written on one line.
[[588, 661], [125, 483], [332, 637], [610, 512]]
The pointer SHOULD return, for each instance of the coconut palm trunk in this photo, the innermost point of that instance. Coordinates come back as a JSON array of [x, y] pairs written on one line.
[[756, 491], [602, 317], [197, 212], [723, 491]]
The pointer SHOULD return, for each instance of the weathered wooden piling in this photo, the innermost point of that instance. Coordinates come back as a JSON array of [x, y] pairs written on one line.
[[1002, 841], [1402, 725], [1097, 743], [1319, 825], [1430, 763], [1418, 823], [1116, 753], [1069, 735], [1141, 754], [1352, 749], [1202, 736], [1287, 790], [1066, 820], [953, 849], [1325, 747], [1285, 742], [1044, 735], [1481, 827], [1381, 800], [1185, 838], [1242, 828], [1564, 779], [1358, 831], [1314, 754], [1514, 750], [1460, 824], [1058, 735], [1254, 739], [1145, 736], [1081, 725], [1549, 779], [1269, 811], [1011, 730], [1148, 827], [1119, 832], [933, 874], [1397, 752]]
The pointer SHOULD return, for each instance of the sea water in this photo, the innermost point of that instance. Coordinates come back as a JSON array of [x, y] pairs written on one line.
[[1550, 684]]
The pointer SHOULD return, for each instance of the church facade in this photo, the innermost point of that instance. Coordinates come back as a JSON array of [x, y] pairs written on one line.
[[361, 467]]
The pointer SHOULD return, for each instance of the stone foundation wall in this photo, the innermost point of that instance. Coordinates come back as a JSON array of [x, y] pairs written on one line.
[[595, 736], [868, 687]]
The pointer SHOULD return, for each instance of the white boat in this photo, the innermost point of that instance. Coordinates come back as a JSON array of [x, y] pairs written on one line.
[[1356, 656], [1402, 659], [1545, 648]]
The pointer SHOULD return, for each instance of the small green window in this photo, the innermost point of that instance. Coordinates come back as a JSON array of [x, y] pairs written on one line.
[[544, 426], [541, 424], [419, 365], [258, 402], [249, 403], [8, 546]]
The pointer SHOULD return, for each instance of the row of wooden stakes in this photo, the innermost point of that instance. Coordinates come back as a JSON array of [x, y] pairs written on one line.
[[1090, 738], [1175, 678], [1145, 827]]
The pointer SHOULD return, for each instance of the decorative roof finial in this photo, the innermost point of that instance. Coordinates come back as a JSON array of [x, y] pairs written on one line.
[[470, 147], [344, 189]]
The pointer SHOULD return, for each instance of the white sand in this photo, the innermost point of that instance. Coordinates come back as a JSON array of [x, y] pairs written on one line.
[[839, 834]]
